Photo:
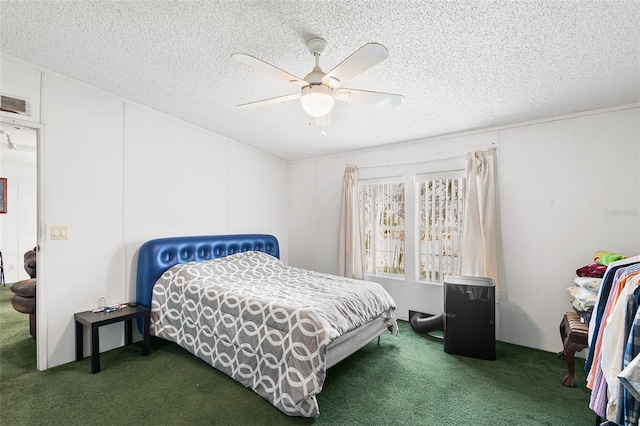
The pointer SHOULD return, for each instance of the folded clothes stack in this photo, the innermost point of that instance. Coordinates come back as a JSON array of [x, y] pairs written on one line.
[[585, 287], [585, 292]]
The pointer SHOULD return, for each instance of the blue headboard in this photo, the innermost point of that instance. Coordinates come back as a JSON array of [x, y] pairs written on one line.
[[156, 256]]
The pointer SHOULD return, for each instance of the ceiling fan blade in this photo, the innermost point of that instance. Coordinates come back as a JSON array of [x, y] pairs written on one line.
[[270, 101], [361, 60], [366, 97], [269, 69], [325, 120]]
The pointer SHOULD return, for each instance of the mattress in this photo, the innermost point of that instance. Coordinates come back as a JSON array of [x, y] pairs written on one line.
[[265, 324]]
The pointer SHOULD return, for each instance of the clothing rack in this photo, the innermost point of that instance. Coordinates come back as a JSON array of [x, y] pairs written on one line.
[[613, 333]]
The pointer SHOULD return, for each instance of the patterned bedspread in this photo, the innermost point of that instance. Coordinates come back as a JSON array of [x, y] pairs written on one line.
[[265, 324]]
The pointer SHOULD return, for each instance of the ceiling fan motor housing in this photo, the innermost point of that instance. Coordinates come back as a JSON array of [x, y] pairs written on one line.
[[315, 76]]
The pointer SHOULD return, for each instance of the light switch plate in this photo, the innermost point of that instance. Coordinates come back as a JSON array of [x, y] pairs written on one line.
[[59, 233]]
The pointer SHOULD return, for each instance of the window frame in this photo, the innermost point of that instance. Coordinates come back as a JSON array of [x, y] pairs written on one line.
[[420, 178], [395, 180]]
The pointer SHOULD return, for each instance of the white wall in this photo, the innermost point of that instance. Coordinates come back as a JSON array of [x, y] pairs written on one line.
[[118, 174], [561, 186], [558, 183], [168, 193], [83, 188], [224, 188], [257, 196]]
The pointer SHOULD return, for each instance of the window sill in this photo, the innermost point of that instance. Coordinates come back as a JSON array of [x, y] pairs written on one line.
[[384, 277], [436, 283]]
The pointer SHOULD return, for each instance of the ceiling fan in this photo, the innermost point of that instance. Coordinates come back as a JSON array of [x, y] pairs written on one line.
[[320, 89]]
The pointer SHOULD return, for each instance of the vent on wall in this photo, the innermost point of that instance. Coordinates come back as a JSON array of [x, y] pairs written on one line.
[[15, 105]]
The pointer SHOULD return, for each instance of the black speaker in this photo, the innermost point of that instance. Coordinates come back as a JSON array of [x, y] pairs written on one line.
[[469, 317]]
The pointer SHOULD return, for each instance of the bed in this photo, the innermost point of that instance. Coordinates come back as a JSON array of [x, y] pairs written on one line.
[[228, 299]]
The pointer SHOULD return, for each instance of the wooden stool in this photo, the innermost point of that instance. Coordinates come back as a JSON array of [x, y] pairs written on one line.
[[575, 335]]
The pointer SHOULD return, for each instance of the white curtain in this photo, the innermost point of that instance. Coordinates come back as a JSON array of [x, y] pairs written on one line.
[[480, 229], [350, 254]]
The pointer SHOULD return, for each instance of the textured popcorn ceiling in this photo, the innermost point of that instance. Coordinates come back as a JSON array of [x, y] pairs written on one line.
[[461, 65]]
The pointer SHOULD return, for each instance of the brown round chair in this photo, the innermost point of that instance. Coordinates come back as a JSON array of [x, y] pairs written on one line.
[[24, 300], [24, 292]]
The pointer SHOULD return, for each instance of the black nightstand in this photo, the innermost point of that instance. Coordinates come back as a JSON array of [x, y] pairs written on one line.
[[94, 320]]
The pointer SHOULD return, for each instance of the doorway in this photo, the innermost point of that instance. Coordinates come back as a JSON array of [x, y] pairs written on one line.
[[19, 220]]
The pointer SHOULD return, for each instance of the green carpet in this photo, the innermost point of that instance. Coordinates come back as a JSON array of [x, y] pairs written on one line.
[[407, 380]]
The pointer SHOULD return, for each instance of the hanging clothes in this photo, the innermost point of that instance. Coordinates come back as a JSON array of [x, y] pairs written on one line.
[[614, 339], [601, 303], [615, 335], [616, 288], [630, 400]]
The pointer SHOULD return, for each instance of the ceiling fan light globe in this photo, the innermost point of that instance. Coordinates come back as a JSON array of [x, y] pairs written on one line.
[[317, 100]]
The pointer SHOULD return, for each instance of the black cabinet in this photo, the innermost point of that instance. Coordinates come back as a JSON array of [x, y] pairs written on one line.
[[469, 317]]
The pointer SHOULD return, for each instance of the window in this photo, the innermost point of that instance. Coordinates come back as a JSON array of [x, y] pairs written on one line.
[[382, 208], [441, 206]]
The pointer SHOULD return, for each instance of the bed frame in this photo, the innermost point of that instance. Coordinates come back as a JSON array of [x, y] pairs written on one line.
[[156, 256]]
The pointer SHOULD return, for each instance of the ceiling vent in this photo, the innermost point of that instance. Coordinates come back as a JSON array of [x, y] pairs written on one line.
[[15, 105]]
